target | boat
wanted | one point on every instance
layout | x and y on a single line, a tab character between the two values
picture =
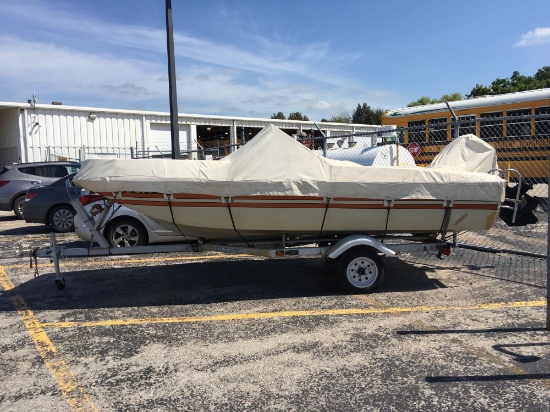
274	186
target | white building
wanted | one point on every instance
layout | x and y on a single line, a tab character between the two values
39	132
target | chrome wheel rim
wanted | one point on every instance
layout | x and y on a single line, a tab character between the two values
125	236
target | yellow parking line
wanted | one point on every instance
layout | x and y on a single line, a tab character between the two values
289	314
70	388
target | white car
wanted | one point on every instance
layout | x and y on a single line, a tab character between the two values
125	227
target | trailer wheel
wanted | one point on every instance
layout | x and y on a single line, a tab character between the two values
60	284
360	270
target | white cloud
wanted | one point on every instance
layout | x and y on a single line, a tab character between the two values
70	70
87	62
541	35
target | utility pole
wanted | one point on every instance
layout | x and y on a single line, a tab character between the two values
174	126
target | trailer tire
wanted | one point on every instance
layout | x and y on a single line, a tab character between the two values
60	284
360	270
329	267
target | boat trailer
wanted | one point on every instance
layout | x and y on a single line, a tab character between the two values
360	268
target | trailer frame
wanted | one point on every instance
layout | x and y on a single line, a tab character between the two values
360	267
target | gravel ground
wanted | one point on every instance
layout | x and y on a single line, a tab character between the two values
214	332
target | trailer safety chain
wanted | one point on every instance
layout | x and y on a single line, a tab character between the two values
31	257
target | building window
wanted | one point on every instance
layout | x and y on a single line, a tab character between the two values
542	126
437	130
417	131
491	125
518	123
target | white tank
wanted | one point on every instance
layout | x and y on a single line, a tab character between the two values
386	155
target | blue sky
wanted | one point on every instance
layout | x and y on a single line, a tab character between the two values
256	57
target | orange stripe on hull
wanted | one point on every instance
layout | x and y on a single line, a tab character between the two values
166	203
271	197
257	205
135	199
491	206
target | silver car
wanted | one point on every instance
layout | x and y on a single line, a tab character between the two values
126	227
16	179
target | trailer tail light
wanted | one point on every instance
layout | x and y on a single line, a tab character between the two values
4	182
29	196
443	250
87	199
446	250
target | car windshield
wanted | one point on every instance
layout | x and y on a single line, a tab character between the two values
73	169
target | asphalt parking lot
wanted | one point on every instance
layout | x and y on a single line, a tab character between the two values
221	332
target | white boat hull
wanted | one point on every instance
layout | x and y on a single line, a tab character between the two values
256	217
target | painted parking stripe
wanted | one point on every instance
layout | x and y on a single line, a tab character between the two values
289	314
68	384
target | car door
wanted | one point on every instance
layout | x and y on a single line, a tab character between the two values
27	178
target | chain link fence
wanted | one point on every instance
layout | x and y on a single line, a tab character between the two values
522	142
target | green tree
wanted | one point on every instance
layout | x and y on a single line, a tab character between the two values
453	97
361	114
445	98
278	115
364	114
543	76
297	116
420	102
480	90
377	116
516	83
343	117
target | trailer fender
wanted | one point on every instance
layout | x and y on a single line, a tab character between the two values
343	245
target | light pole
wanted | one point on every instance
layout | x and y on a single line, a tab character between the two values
174	126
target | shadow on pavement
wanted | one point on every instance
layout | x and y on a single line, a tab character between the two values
489	378
27	230
200	283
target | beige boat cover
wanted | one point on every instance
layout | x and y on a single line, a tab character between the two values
469	153
273	163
